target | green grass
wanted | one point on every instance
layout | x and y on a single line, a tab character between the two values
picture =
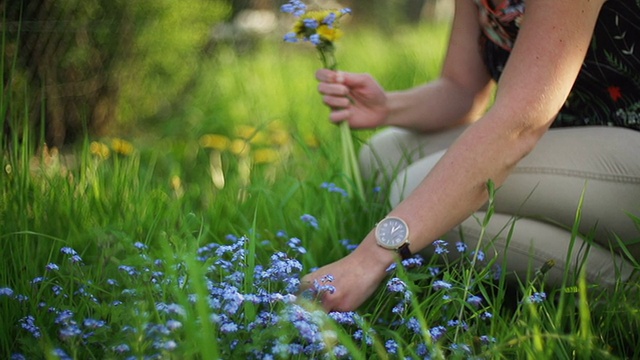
158	236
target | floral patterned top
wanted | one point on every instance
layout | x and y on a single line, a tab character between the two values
607	90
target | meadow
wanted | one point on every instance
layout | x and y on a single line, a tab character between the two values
186	237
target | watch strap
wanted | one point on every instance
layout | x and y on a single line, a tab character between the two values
404	251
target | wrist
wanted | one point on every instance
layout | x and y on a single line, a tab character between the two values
374	256
386	109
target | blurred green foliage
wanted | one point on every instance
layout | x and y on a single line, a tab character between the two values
82	65
72	67
276	80
169	41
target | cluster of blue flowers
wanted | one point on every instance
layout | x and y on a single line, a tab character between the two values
289	323
333	188
295	7
310	21
310	220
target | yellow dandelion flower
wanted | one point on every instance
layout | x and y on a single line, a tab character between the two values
239	147
311	141
275	125
245	131
265	156
121	146
176	182
259	138
251	134
323	23
280	137
214	141
329	34
99	149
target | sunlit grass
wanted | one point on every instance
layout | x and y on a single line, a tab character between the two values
190	236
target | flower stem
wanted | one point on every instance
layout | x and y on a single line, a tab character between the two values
351	166
350	160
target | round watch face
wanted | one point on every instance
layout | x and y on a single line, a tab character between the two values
391	232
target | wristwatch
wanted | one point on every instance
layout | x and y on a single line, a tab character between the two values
393	233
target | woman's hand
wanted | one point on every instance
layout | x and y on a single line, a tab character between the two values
355	277
356	98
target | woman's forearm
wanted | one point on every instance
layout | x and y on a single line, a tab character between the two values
456	187
435	106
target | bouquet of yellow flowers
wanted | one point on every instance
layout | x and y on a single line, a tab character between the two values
321	28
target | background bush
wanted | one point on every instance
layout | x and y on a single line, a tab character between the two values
81	65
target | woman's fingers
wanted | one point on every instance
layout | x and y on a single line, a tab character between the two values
329	76
333	89
340	115
336	102
335	96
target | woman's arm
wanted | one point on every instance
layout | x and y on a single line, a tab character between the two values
541	70
460	95
462	92
537	79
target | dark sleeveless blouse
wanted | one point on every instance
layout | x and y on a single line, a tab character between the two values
607	90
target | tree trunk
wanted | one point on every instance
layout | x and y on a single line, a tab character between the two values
64	58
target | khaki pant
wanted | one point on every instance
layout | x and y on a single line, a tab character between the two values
540	199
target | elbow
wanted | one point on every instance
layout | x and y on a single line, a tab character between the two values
519	131
527	117
528	140
472	102
527	133
478	103
526	122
